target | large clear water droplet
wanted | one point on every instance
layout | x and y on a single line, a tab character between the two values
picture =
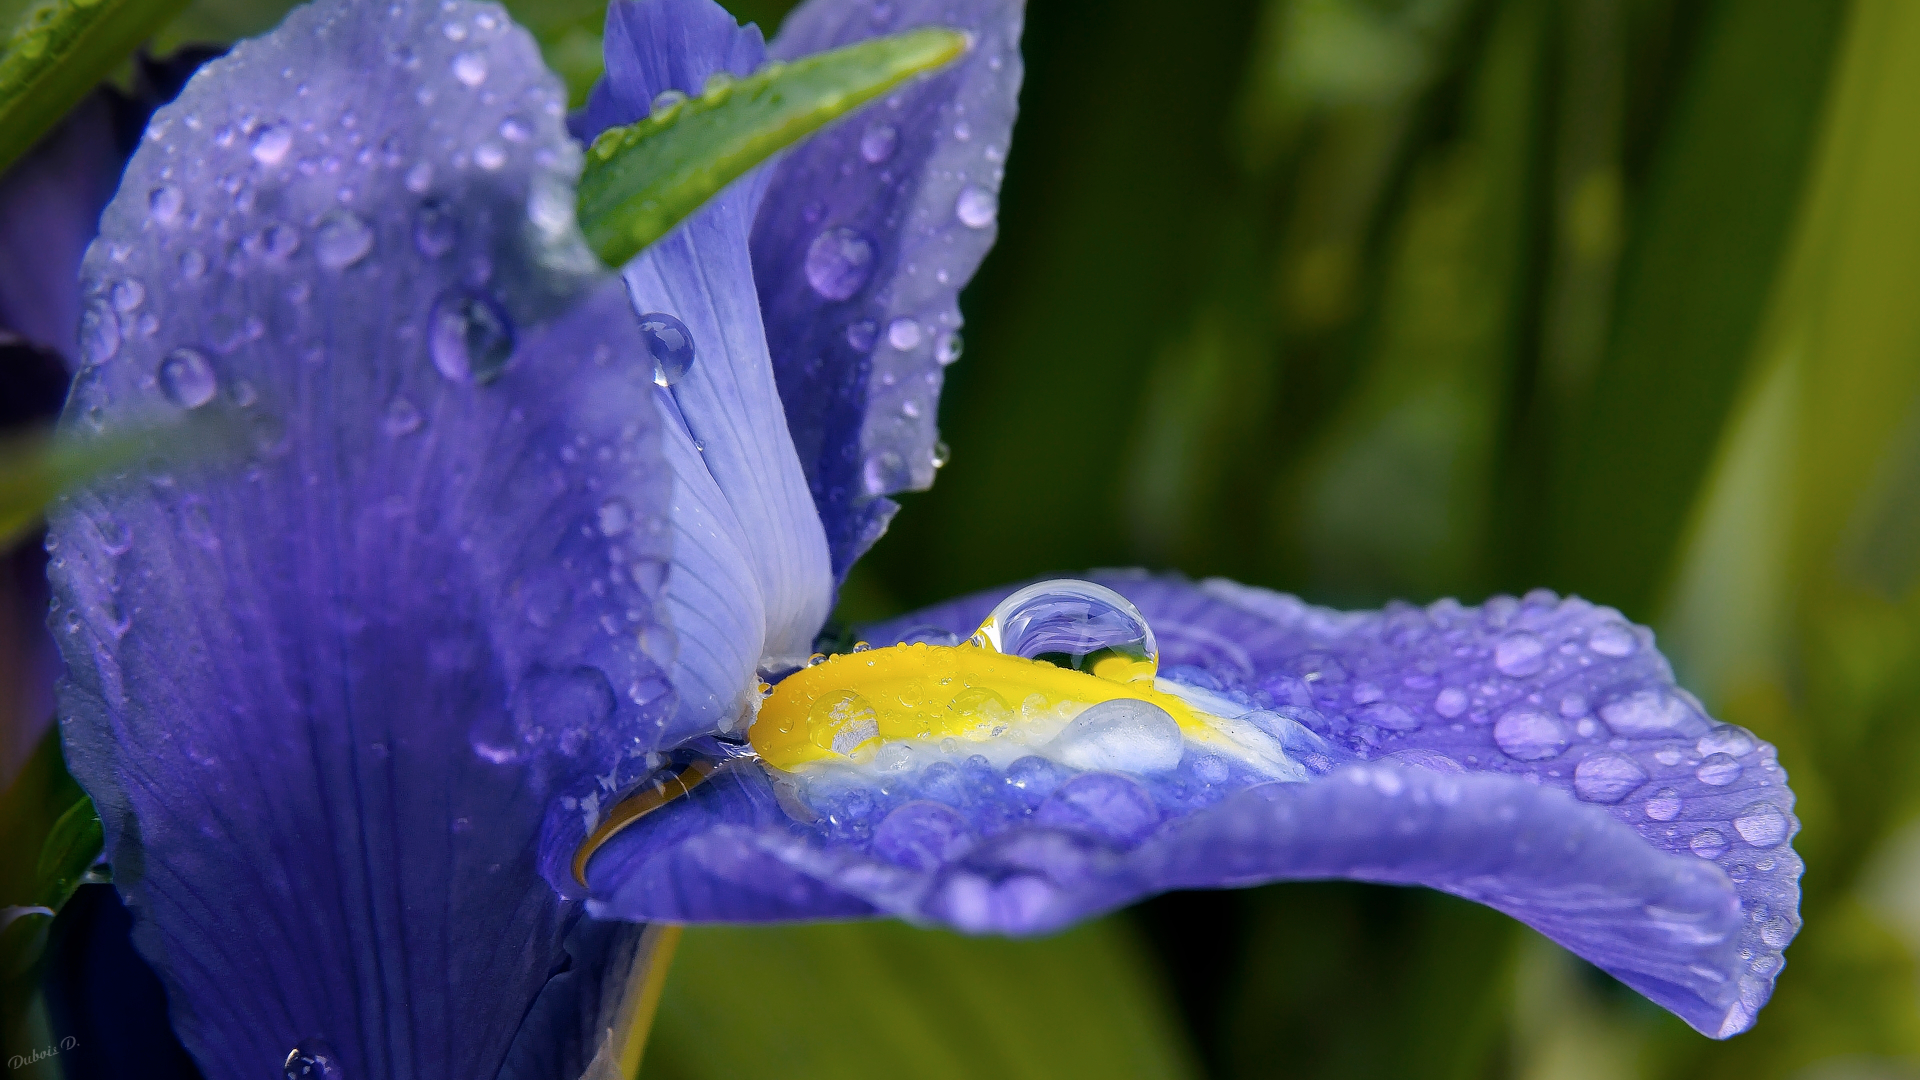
1529	736
436	228
342	239
271	143
976	207
99	333
1718	770
1123	735
1708	843
1074	624
670	345
313	1059
842	722
1762	825
1607	778
839	262
1613	639
469	336
186	378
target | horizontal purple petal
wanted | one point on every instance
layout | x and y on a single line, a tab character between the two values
327	689
866	235
1532	754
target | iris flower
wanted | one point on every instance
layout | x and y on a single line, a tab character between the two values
500	642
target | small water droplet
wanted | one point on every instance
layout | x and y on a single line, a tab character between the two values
1725	739
861	335
839	262
186	378
1664	805
1519	654
99	333
515	130
128	295
469	336
670	345
903	334
271	143
1718	770
342	239
1776	932
420	178
1613	639
976	207
1450	702
1708	843
885	472
947	349
1529	736
165	203
489	156
1607	778
192	264
436	228
665	103
941	455
1762	825
615	517
1074	624
470	68
878	143
402	418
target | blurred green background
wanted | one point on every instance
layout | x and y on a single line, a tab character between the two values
1363	299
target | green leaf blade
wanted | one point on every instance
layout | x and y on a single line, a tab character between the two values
643	179
57	52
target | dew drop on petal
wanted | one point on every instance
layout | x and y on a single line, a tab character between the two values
402	418
193	264
1519	655
842	722
885	472
1529	736
1708	843
669	345
976	207
489	156
436	228
420	178
271	143
861	335
1664	805
1725	739
947	348
1762	825
615	517
128	295
1776	932
942	454
1074	624
878	143
470	68
1123	735
99	333
342	239
903	334
165	203
1718	770
1613	639
1607	778
469	336
1450	702
186	378
839	262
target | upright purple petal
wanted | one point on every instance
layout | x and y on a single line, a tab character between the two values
867	234
1530	754
750	583
325	693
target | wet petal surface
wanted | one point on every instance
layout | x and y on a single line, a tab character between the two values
750	585
867	234
327	690
1532	754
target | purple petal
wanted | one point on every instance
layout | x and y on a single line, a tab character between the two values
750	585
867	234
324	696
1531	754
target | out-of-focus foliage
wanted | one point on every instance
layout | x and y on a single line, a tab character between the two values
1366	299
